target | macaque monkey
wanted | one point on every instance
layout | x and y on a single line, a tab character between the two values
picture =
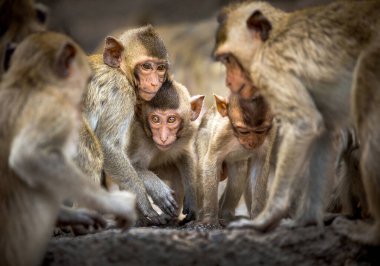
227	146
132	67
18	19
40	118
348	197
317	69
163	136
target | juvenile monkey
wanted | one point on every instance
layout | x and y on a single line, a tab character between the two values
132	66
226	145
40	119
317	69
18	19
164	134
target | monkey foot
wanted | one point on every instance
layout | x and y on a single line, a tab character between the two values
358	231
241	224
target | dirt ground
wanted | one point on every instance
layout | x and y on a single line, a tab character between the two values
88	22
200	246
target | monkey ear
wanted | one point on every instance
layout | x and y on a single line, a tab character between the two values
64	59
196	106
221	105
258	23
113	50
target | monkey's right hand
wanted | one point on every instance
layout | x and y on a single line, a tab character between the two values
164	199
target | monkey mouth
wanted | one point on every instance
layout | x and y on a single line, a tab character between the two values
163	147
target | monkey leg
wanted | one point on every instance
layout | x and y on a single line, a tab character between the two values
311	207
236	182
210	180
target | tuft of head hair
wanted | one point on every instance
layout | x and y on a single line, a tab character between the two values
166	98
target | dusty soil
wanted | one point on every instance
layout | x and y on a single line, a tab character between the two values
202	246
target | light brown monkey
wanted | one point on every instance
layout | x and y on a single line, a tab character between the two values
18	19
163	135
132	66
314	67
226	145
40	119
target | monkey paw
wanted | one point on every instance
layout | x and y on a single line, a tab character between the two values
164	199
358	231
80	221
241	224
122	205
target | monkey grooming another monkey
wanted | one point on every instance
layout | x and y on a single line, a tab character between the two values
317	69
226	144
132	66
40	119
163	137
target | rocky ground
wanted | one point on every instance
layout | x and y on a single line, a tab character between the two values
197	245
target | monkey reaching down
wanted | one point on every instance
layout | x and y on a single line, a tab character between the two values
227	145
318	70
132	66
163	137
40	120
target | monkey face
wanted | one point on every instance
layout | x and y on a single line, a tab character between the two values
150	75
164	125
237	79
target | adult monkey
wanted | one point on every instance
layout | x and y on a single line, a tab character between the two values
131	66
40	121
18	19
307	64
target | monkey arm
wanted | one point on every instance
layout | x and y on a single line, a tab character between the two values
161	194
112	129
45	161
186	167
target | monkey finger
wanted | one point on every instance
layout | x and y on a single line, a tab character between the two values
171	209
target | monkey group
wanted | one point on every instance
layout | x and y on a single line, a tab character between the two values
115	133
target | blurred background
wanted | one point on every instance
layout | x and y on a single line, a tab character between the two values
186	26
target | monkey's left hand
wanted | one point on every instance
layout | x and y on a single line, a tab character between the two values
189	209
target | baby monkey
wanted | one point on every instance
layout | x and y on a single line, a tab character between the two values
228	145
163	136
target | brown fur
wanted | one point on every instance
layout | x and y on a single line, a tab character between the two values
148	159
305	70
18	19
215	132
109	106
40	121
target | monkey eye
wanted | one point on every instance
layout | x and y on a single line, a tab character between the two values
172	119
146	66
155	119
161	67
243	132
224	59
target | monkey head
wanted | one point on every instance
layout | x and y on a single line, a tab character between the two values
251	130
53	60
166	117
243	29
141	55
19	18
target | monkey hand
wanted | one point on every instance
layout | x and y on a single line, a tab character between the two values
81	221
189	209
163	197
122	206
